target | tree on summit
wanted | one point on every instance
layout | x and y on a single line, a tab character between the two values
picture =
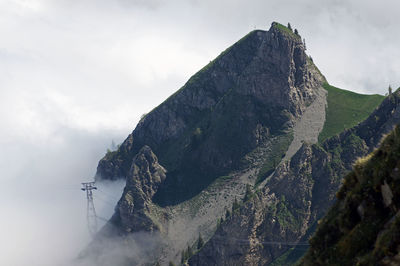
289	26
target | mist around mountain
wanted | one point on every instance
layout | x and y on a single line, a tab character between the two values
238	166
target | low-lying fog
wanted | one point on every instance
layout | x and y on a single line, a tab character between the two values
43	209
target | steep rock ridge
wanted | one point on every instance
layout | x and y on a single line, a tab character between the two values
256	89
134	208
363	226
295	197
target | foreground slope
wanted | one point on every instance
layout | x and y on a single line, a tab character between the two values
273	225
363	227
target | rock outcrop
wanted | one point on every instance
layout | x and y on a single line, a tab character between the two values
144	178
296	196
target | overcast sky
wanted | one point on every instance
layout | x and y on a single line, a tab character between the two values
77	74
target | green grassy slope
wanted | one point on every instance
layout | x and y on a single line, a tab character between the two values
346	109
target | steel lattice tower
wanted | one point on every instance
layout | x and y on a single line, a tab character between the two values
91	211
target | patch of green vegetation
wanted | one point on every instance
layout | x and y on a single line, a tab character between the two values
285	218
346	109
285	30
273	158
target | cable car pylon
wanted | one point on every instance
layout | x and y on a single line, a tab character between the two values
90	211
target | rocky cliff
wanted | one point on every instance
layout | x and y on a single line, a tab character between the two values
142	182
232	153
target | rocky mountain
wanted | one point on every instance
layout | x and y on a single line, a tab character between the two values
256	89
233	156
363	226
281	215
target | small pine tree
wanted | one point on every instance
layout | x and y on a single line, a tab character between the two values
304	42
390	90
200	242
296	32
289	26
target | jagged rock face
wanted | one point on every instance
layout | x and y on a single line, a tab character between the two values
251	92
146	173
145	177
274	219
267	224
296	196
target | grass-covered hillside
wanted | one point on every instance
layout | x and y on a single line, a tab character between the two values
346	109
363	227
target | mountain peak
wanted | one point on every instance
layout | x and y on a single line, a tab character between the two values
257	88
276	27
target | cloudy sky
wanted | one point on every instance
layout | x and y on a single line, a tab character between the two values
78	74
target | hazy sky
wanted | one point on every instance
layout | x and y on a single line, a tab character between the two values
77	74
